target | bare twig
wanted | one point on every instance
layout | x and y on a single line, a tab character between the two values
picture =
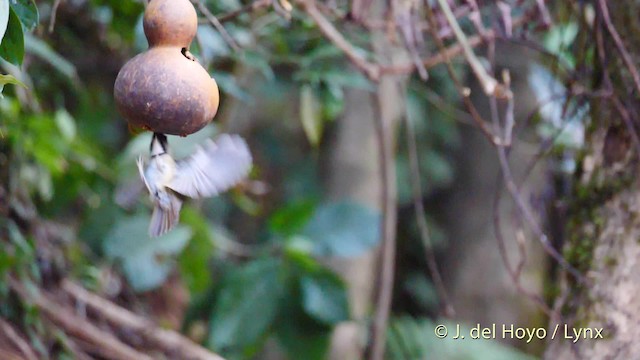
52	17
619	44
502	249
463	91
447	53
389	217
514	274
505	12
440	57
70	344
258	4
166	339
509	120
476	17
216	23
112	347
489	84
544	12
617	104
626	118
528	215
446	108
326	27
421	219
405	22
9	355
17	340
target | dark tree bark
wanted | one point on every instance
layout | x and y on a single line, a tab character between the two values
603	227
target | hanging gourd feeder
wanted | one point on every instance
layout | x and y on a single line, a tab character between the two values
164	89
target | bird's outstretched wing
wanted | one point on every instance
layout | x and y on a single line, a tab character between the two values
163	220
213	168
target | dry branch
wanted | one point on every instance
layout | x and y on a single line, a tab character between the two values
168	340
421	220
489	84
388	229
218	25
326	27
17	340
75	325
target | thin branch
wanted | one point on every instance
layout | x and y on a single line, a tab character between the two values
462	90
514	274
447	53
446	108
326	27
52	17
619	44
502	249
258	4
489	84
111	346
617	104
17	340
528	215
544	12
421	219
216	23
509	120
442	56
476	17
70	344
505	12
626	118
168	340
389	217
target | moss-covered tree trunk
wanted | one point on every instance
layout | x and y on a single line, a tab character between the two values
603	227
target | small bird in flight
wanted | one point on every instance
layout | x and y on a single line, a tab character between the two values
210	170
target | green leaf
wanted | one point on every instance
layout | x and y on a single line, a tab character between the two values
12	46
559	39
4	17
246	306
310	115
324	297
146	262
332	101
301	336
290	218
344	229
9	79
27	12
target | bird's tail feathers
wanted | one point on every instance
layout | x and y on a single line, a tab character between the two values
163	220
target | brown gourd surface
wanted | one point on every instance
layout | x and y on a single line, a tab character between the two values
164	89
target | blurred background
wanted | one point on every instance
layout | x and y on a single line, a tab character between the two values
303	259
